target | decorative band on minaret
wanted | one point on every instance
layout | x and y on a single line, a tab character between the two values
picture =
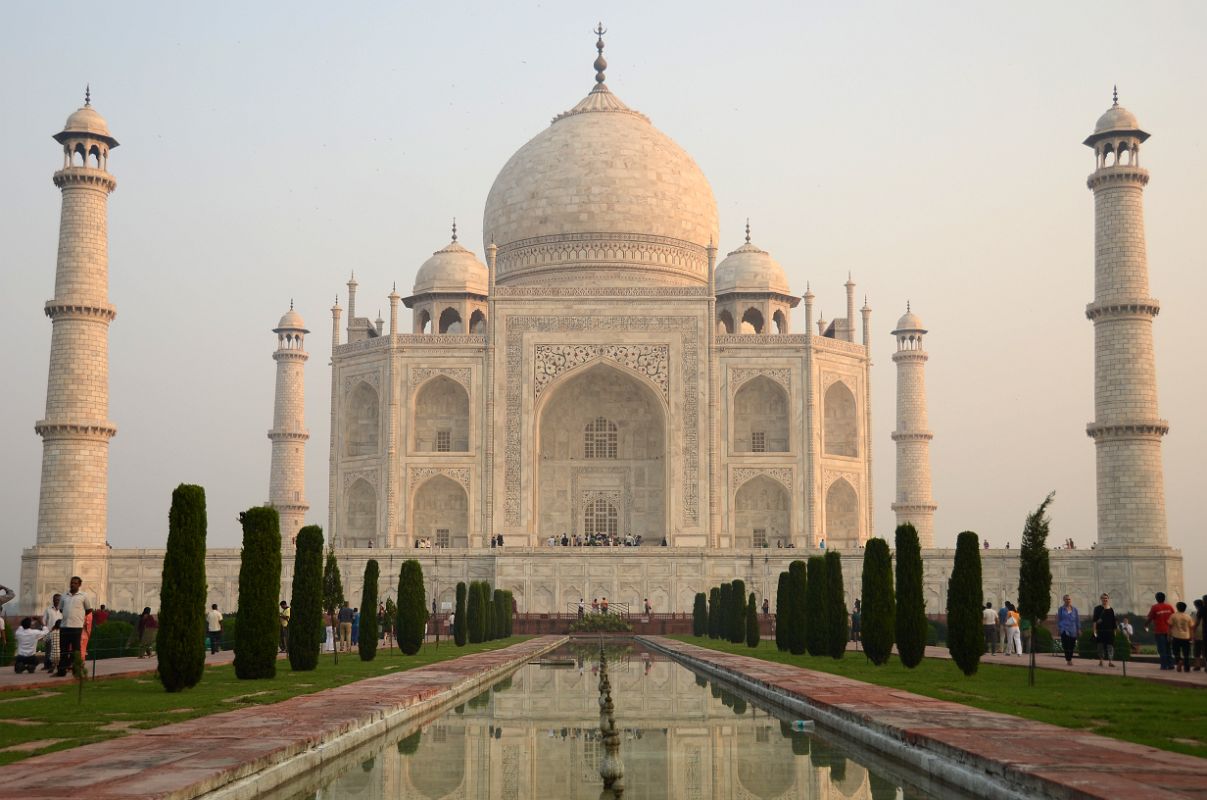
914	503
73	504
1127	428
287	478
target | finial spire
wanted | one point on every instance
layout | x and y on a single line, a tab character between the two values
600	63
87	94
454	229
1115	94
748	230
291	304
907	308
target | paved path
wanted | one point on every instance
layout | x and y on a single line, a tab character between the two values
186	759
1035	758
105	668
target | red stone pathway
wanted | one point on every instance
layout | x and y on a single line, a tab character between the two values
1080	764
186	759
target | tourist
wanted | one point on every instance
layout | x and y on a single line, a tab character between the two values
603	606
76	609
27	638
356	623
1202	637
648	607
500	538
1014	641
52	644
856	619
1104	625
283	616
1180	631
1197	635
1024	629
989	626
1125	627
1001	623
581	609
213	627
146	631
100	616
329	633
594	605
1068	624
1158	622
766	607
345	627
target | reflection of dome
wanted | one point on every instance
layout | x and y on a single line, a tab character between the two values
749	269
452	269
601	176
765	769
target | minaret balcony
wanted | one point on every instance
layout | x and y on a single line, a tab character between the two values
1140	308
912	436
1117	175
60	309
276	434
59	429
88	176
1138	429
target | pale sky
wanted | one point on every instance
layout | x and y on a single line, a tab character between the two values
933	150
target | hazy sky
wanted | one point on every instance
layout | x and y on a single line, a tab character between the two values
932	150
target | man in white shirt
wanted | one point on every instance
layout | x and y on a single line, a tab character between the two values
213	627
27	637
76	609
989	623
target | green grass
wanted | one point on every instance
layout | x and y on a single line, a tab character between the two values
113	708
1153	714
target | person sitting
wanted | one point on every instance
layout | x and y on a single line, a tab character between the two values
27	637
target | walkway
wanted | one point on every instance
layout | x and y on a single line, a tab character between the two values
274	743
983	749
105	668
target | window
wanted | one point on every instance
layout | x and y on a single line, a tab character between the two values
600	439
442	537
444	441
600	518
758	441
760	537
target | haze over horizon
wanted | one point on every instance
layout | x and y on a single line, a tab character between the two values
934	152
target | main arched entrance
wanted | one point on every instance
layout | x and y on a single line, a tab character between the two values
601	458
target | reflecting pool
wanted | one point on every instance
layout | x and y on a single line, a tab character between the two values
536	734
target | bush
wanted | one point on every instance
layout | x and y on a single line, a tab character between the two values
333	584
475	625
509	612
366	640
837	622
1087	647
230	628
782	613
1034	572
714	612
412	609
180	643
816	611
876	627
700	615
601	623
306	627
459	624
113	639
799	582
724	611
752	622
1043	641
737	612
259	581
965	604
911	605
500	614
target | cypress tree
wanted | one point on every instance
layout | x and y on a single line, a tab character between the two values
258	624
700	615
817	614
877	626
459	621
180	646
737	612
837	621
333	584
474	624
911	621
500	619
725	612
799	584
1035	573
714	612
306	601
412	608
366	642
965	604
752	622
508	612
782	613
488	612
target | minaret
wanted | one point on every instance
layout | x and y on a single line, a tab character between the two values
850	287
1127	429
73	504
287	476
914	503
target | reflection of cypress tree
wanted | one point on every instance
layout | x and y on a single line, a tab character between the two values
502	685
739	706
882	788
715	691
407	746
816	607
783	614
799	588
367	765
701	681
800	743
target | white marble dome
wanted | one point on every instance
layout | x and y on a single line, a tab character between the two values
452	269
291	321
1117	118
749	269
86	121
909	322
601	189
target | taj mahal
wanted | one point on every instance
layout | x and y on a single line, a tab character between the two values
603	401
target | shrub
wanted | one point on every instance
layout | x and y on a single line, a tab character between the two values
724	611
714	612
306	627
816	611
601	623
798	579
1034	572
259	581
488	613
230	629
876	627
752	622
782	614
508	612
911	605
1042	640
180	643
112	639
499	614
333	584
737	612
459	622
473	621
412	610
837	621
391	617
965	603
366	640
700	615
932	634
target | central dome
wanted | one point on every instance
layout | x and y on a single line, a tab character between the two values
603	194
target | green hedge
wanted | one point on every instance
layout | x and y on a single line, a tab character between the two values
112	639
600	623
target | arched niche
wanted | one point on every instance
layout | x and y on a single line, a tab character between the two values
842	516
841	429
362	421
360	515
760	417
423	321
477	322
762	512
441	512
441	416
752	321
781	321
450	321
725	322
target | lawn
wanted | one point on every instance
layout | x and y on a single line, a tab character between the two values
1166	717
44	720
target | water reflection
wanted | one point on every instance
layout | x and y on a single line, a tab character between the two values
536	735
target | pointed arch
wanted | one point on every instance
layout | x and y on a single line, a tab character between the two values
362	421
724	321
762	513
477	322
781	321
760	417
841	422
441	512
450	320
752	321
441	408
841	530
360	515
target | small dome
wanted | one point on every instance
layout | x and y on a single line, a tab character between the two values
291	321
909	322
452	269
749	269
86	122
1117	118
